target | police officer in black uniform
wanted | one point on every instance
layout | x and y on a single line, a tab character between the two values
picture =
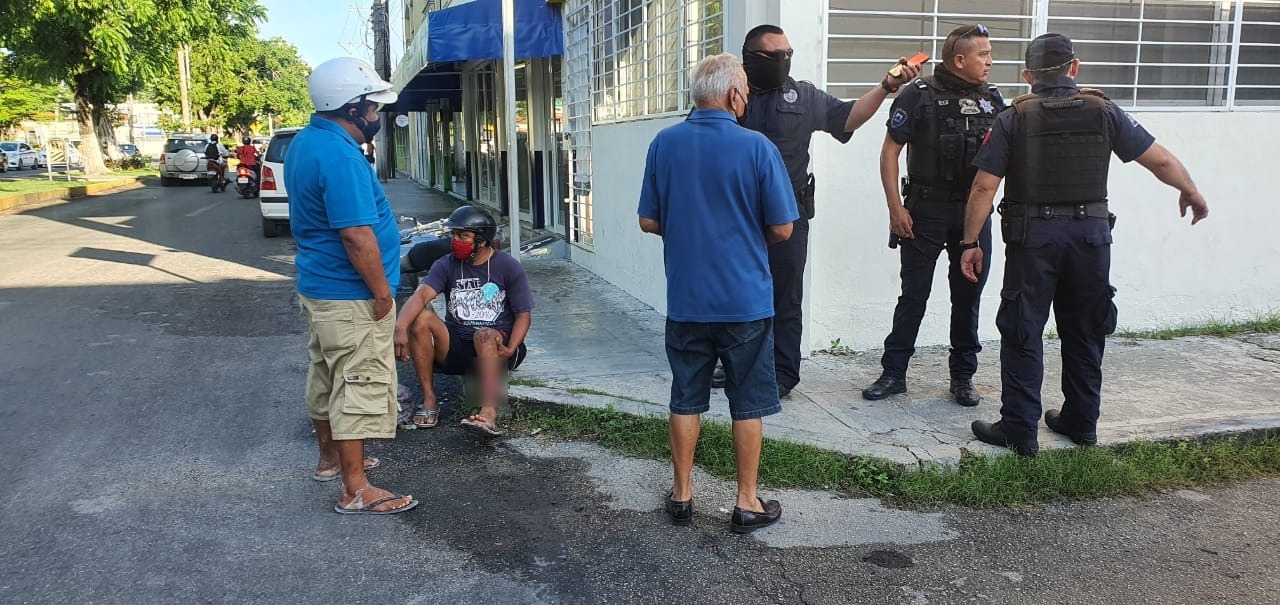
1054	148
788	113
941	120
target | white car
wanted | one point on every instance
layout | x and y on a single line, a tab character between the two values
273	200
19	156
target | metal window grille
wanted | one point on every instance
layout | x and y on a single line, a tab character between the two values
577	92
642	51
1153	54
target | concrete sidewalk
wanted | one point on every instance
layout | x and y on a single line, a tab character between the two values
589	337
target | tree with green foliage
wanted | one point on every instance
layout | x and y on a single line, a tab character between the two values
21	99
236	84
104	49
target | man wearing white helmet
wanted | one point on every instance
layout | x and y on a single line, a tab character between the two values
348	268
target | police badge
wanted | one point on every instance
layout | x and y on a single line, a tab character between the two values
790	96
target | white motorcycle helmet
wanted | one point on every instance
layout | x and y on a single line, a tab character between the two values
344	80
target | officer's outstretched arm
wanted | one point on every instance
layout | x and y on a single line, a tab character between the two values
1166	167
869	103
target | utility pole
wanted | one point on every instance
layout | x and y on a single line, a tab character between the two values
184	73
385	147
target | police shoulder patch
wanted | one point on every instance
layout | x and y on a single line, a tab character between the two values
898	118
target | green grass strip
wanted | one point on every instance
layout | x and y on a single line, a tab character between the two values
1264	322
978	480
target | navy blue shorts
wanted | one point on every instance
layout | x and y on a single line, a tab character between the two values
746	351
461	357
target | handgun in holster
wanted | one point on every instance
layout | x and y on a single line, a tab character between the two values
804	199
906	187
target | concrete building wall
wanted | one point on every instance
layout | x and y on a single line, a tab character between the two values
1166	272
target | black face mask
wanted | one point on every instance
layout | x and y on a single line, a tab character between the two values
367	128
766	72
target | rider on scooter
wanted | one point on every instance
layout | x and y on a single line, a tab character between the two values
248	156
216	153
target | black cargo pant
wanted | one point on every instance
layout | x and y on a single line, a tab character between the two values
786	263
936	225
1065	263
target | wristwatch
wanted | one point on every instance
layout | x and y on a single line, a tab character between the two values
885	85
968	246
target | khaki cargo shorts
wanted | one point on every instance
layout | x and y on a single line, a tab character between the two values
352	379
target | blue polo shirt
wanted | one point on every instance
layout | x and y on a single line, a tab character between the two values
715	187
331	187
1128	138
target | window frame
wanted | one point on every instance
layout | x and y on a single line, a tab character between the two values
1039	18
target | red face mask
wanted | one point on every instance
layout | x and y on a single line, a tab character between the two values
463	250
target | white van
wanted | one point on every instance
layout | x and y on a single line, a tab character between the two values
272	197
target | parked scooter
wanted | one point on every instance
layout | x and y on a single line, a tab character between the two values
246	181
422	245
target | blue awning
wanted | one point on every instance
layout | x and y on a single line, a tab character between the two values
473	31
435	83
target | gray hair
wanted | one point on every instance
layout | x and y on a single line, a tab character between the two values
714	77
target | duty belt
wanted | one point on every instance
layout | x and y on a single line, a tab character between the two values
1089	209
926	193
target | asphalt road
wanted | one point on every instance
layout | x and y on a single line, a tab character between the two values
157	450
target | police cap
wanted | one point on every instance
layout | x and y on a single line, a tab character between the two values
1048	51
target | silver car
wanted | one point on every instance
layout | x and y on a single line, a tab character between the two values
183	158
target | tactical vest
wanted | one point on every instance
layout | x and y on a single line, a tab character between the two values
1064	152
948	134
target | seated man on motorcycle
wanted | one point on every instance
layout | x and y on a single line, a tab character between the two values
216	153
248	156
489	308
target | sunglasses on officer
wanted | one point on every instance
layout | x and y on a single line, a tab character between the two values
948	48
979	29
777	55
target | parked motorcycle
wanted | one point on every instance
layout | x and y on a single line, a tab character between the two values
422	245
213	172
246	182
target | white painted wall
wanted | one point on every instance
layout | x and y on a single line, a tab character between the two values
623	254
1166	272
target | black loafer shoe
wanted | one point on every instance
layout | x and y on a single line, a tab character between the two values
1053	419
746	521
783	392
993	433
680	511
964	392
717	378
884	387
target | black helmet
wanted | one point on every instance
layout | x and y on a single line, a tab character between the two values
245	140
475	220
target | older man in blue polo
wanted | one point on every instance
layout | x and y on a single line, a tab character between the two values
718	195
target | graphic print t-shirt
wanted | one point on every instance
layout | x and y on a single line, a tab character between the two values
481	296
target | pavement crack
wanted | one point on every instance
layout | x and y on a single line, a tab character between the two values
833	415
799	586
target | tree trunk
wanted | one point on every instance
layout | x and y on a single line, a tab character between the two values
90	151
106	132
